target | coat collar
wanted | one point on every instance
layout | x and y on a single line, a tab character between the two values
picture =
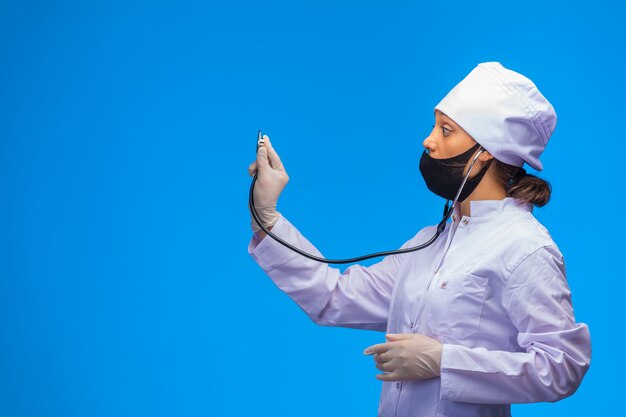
486	209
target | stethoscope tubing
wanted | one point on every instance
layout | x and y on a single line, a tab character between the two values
440	227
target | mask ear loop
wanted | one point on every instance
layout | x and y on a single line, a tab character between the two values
448	211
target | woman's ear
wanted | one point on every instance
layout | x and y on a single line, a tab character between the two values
485	155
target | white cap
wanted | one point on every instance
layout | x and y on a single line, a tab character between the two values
504	112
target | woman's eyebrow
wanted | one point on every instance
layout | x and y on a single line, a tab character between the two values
447	119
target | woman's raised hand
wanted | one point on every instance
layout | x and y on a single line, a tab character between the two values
271	180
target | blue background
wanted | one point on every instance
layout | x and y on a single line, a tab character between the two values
126	131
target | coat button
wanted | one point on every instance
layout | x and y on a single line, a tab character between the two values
398	385
444	284
411	325
465	221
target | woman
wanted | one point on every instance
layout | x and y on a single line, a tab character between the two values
483	317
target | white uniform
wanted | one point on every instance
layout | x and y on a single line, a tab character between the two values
492	288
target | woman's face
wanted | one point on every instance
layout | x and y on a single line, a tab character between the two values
447	139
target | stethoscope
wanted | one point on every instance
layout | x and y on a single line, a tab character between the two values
447	212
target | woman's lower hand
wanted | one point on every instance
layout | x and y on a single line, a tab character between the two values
407	356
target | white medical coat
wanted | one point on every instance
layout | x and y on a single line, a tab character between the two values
492	288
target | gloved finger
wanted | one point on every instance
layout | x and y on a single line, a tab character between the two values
252	169
398	336
379	348
261	159
392	376
383	357
274	158
385	367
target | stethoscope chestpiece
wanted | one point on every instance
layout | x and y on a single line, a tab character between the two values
260	141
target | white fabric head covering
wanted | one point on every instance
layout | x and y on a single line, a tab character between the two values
504	112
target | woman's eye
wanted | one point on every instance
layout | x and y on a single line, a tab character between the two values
444	130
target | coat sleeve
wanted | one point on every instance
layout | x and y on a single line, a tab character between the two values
357	298
555	351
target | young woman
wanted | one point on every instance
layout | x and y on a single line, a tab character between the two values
481	318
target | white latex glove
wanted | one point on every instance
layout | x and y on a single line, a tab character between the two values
407	356
269	184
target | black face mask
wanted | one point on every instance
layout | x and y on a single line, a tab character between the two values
444	178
